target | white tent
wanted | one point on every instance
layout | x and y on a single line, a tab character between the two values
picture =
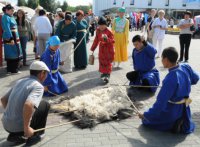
28	10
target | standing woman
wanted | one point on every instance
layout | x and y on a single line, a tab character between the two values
24	29
120	29
185	35
160	26
12	47
80	54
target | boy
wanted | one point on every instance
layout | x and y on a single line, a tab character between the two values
171	111
54	83
105	39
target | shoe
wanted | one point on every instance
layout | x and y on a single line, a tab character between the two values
16	139
15	73
186	61
35	139
179	61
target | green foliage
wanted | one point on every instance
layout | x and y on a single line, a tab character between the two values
64	6
32	4
21	3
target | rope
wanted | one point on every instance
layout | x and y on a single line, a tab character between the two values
77	45
63	112
136	86
54	126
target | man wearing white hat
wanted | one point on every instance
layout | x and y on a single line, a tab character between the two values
25	111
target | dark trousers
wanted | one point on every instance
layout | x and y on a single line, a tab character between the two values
23	41
185	40
133	76
12	65
39	118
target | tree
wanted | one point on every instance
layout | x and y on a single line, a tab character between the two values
64	6
49	5
83	8
21	3
32	4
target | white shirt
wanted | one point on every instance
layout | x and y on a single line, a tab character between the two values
158	33
42	25
186	30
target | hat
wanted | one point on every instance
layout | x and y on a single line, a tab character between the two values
54	41
39	65
102	21
58	10
122	10
68	17
188	13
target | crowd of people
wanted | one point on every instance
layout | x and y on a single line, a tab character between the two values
25	111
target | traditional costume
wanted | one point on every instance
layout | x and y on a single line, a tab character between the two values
106	49
144	65
120	29
171	110
54	81
12	53
80	54
67	35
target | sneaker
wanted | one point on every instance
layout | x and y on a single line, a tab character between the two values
186	61
15	73
106	80
179	61
16	139
35	139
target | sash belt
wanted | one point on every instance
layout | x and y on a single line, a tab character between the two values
185	101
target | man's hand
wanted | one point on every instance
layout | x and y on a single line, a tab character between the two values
141	116
62	63
46	88
28	132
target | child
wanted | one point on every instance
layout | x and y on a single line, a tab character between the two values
171	111
54	83
144	73
105	39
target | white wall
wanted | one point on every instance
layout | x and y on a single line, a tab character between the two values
99	5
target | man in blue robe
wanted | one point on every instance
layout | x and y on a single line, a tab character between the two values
54	83
171	111
145	73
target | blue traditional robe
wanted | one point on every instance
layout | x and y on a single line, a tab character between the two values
10	32
80	55
144	64
176	86
55	82
66	32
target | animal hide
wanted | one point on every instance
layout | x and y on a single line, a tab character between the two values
96	107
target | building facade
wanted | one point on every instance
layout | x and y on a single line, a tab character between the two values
101	6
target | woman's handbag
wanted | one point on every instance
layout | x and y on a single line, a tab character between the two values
192	28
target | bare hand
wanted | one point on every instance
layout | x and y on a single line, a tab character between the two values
141	116
46	88
62	63
12	42
28	132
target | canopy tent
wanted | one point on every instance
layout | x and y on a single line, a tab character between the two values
28	10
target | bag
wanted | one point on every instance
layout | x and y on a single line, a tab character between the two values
91	59
192	28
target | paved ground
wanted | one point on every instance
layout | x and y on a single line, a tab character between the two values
127	133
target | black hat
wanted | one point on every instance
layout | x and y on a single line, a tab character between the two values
102	21
7	7
188	13
68	17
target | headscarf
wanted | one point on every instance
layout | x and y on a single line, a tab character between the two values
53	41
122	10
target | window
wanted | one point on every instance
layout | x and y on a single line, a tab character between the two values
184	3
166	2
114	2
132	2
149	2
